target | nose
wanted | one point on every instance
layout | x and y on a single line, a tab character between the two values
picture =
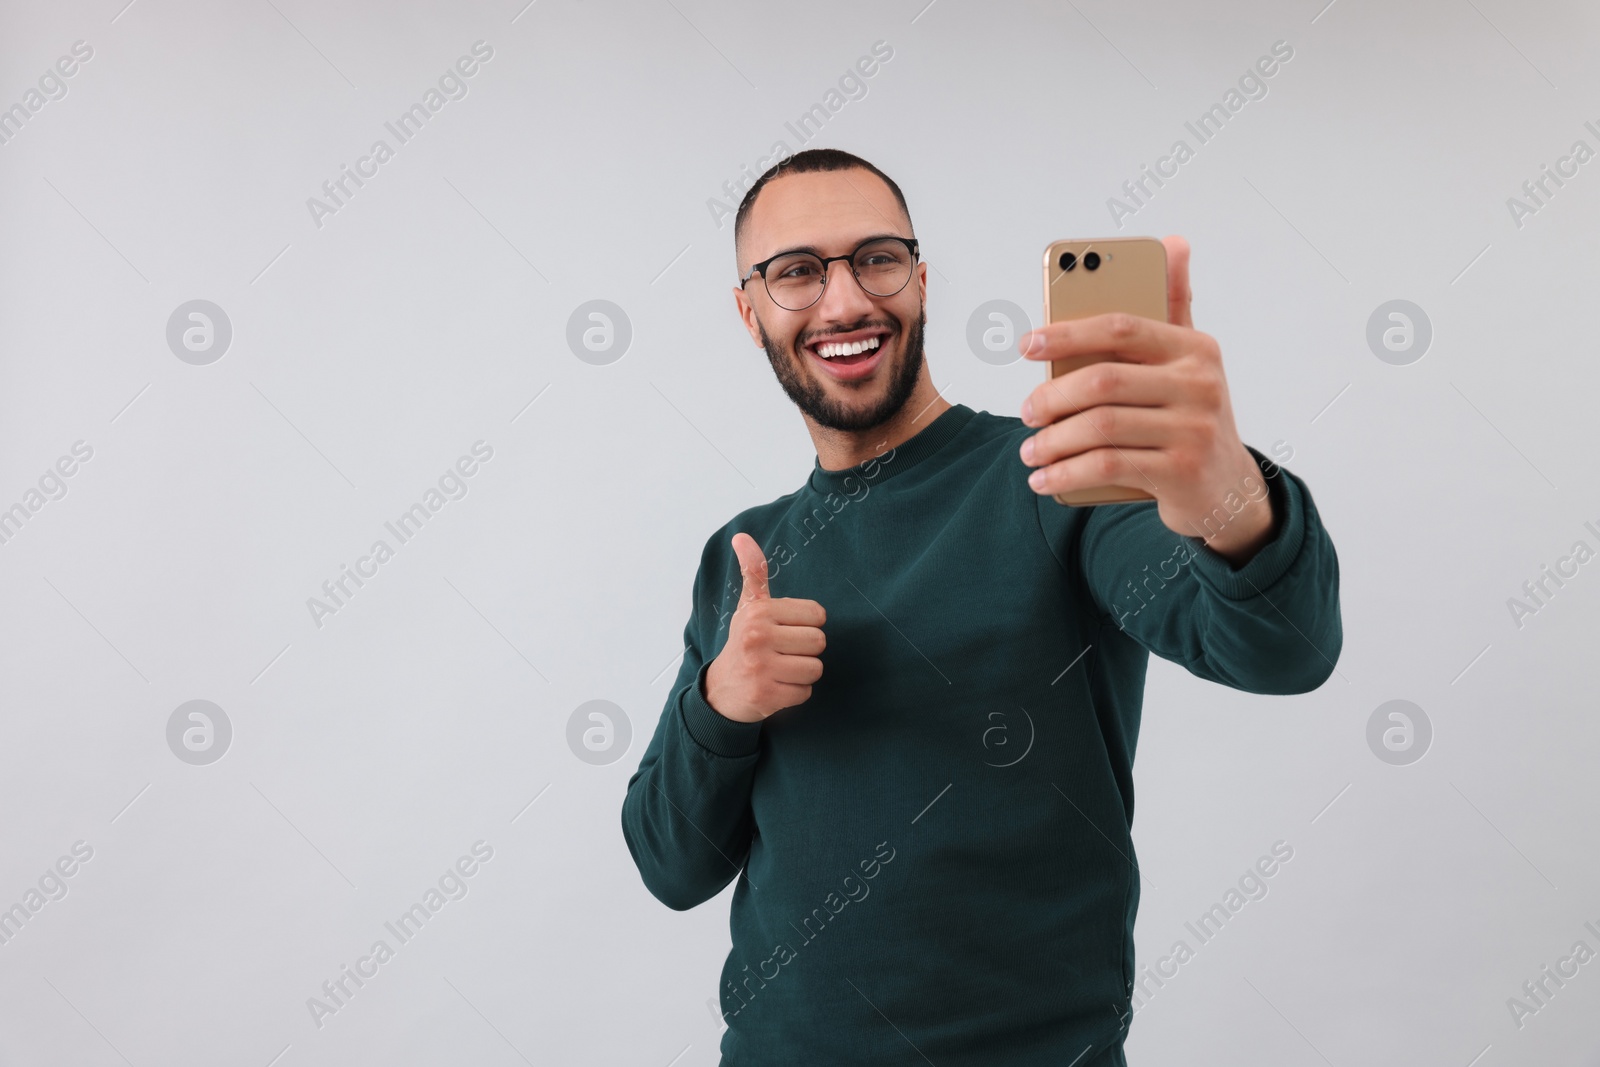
843	299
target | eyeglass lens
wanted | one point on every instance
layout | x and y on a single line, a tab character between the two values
795	281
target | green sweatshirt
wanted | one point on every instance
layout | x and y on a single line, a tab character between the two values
933	853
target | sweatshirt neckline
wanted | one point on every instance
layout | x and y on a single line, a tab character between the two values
902	457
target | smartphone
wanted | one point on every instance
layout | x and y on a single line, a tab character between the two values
1092	277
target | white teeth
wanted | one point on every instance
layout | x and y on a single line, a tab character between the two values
829	351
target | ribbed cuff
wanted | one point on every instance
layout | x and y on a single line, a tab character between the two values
1275	557
712	731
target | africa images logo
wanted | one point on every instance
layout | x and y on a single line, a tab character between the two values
855	889
453	884
452	86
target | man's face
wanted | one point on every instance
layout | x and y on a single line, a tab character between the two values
830	213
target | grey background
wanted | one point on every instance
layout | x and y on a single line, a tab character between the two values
432	711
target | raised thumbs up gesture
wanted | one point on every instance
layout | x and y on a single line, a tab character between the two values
771	658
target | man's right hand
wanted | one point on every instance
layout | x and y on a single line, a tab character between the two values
771	659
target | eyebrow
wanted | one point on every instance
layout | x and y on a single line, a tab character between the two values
818	252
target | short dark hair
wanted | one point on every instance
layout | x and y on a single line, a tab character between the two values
811	161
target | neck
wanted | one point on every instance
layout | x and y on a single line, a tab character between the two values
839	450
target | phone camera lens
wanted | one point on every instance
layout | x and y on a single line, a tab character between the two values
1091	260
1068	261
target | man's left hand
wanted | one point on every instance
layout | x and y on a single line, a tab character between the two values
1157	417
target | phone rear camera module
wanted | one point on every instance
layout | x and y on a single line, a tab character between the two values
1091	260
1068	261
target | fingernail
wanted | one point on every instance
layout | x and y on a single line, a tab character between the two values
1036	479
1027	411
1027	451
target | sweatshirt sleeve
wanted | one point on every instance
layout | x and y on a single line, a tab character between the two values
1271	626
686	817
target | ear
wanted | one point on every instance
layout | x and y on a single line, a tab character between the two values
747	314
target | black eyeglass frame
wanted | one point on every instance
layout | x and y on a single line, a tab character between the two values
761	268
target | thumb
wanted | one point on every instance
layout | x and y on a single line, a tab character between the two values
1179	295
753	565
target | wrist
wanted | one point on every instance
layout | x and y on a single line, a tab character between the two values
1252	530
1249	529
710	729
709	689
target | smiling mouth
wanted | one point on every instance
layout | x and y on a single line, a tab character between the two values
859	347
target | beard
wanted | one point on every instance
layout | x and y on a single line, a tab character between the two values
806	389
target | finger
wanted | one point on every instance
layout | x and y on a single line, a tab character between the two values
1108	382
753	565
1179	295
798	640
1102	426
1135	468
793	695
793	611
796	670
1127	336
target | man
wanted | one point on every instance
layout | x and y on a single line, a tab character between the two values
907	711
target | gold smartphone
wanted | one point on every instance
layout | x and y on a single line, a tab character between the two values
1092	277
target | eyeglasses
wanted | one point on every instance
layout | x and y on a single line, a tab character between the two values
795	280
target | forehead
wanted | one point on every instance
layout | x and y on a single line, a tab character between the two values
827	210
